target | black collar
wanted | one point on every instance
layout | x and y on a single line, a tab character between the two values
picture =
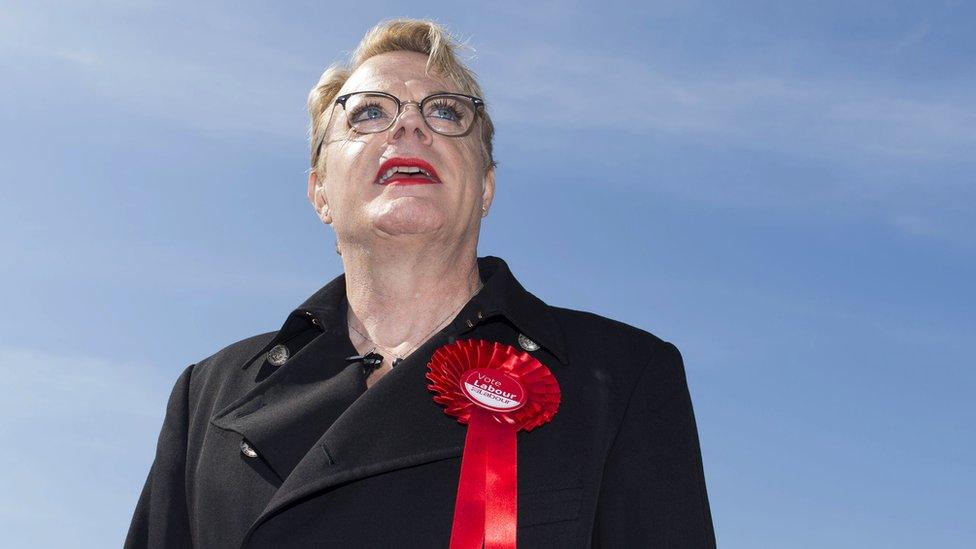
501	295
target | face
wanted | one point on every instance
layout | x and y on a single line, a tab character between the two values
361	208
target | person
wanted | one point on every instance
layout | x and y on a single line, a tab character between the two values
324	432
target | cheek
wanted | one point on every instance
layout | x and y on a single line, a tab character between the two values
350	150
467	162
343	165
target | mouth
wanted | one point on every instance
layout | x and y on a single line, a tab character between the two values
406	171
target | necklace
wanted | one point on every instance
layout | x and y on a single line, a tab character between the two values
399	358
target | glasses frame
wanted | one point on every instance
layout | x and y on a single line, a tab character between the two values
477	102
479	105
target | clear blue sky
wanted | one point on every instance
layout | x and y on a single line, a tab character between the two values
784	190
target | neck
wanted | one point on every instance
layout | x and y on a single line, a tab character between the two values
400	298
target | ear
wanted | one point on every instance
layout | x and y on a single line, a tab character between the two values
316	196
488	190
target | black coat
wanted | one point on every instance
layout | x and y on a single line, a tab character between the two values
303	455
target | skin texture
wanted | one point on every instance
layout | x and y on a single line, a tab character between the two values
409	251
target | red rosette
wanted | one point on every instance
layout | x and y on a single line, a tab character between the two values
497	391
450	362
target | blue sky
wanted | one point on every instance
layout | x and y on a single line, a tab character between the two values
784	190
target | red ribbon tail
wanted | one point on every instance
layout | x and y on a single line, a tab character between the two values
486	509
468	530
502	485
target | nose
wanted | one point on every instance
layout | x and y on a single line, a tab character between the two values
410	122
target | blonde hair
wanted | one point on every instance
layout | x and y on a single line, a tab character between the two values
419	35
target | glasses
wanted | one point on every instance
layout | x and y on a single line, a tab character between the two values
450	114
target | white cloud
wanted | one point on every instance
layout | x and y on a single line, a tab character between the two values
855	146
818	117
63	385
216	81
914	36
171	266
79	436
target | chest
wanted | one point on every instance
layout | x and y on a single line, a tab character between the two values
380	466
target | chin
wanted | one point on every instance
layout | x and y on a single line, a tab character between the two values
408	217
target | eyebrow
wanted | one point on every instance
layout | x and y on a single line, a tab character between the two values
435	92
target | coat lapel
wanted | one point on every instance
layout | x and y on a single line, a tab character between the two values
395	424
285	414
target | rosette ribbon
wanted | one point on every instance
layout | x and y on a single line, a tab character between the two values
497	391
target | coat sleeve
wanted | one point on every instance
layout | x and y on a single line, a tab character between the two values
653	490
161	518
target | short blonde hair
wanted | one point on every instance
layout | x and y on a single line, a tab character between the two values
419	35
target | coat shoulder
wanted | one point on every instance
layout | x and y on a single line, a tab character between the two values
224	368
597	331
614	349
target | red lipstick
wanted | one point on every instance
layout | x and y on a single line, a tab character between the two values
406	171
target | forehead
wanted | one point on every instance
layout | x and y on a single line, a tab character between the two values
398	72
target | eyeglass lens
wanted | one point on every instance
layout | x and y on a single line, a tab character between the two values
445	114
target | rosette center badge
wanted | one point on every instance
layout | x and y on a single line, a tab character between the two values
493	390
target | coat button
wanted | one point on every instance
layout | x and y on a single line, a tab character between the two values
527	343
247	450
278	355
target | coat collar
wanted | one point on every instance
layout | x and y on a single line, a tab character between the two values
502	295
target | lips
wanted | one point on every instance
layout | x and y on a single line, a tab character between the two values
406	171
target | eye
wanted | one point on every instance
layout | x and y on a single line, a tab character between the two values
366	112
446	110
